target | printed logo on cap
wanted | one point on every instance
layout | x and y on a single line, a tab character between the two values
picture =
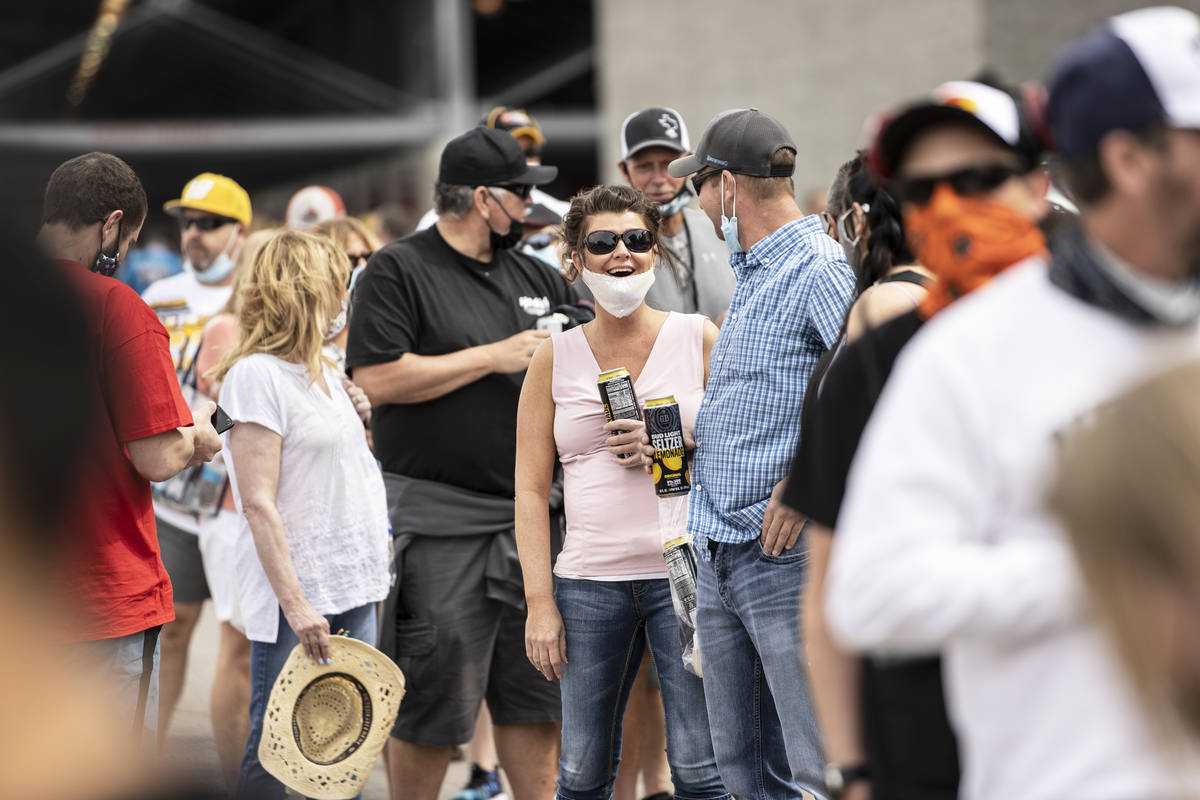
198	189
670	125
991	106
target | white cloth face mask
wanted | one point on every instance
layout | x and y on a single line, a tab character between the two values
618	296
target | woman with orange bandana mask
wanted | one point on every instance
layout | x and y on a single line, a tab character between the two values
964	168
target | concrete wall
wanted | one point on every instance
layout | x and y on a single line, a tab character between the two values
820	66
1020	37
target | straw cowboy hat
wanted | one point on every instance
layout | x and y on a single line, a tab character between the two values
326	723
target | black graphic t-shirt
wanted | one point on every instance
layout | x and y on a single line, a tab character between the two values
419	295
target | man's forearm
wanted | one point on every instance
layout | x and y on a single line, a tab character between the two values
417	379
163	456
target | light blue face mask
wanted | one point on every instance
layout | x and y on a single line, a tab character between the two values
676	204
220	267
729	225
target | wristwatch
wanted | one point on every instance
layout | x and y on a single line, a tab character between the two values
837	777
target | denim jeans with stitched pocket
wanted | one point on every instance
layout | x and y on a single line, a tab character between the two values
607	626
266	662
748	620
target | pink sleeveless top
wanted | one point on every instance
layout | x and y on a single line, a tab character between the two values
612	511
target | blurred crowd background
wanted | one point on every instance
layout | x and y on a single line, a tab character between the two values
361	95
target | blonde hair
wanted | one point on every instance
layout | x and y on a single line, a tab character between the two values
294	286
340	229
1128	492
250	246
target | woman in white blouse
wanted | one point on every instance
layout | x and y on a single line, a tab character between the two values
314	546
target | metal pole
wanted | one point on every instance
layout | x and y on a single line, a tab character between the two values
455	47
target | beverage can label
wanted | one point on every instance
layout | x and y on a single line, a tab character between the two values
665	429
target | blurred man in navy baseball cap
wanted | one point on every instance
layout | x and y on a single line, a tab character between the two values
1124	110
948	487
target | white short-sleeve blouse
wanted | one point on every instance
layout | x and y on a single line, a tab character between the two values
330	492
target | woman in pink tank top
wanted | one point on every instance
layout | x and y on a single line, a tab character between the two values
608	596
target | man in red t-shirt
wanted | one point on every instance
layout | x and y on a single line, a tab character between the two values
93	210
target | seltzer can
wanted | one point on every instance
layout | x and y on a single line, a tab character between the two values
670	466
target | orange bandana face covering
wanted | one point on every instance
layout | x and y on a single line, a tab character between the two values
965	241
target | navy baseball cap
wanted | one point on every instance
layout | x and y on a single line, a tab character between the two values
486	157
1131	72
741	140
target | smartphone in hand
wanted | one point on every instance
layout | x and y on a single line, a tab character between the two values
221	421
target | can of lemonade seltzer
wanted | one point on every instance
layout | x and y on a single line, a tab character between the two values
665	428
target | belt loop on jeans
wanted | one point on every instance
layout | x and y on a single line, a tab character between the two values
149	642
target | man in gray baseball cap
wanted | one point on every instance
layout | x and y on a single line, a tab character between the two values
793	288
693	274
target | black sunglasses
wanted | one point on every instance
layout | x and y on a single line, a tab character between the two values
700	177
966	182
203	223
359	259
521	190
601	243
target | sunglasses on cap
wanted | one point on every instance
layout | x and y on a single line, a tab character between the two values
966	182
601	243
521	190
203	223
700	177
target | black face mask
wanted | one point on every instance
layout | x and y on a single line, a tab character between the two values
105	264
505	241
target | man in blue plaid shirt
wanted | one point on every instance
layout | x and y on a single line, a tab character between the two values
793	288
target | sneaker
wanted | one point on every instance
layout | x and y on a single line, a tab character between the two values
483	785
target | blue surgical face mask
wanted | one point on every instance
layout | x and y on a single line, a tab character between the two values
675	204
220	267
729	225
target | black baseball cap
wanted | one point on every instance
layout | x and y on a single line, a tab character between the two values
654	127
487	157
741	140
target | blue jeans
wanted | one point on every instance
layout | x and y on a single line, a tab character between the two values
607	624
266	662
748	622
132	677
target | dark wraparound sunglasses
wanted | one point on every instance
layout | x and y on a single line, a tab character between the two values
203	223
637	240
965	182
700	177
521	190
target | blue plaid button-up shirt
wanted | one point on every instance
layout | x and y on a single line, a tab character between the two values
793	289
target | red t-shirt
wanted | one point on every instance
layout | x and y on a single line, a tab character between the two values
118	575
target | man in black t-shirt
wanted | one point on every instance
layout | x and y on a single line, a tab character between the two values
443	327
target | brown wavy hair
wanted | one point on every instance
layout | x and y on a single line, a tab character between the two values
293	287
603	199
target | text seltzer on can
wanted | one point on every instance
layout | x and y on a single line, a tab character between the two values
665	428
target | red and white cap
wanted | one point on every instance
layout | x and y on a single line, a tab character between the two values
311	205
993	111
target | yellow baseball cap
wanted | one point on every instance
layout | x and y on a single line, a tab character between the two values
215	194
